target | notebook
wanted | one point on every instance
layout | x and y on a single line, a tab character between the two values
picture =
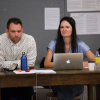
68	61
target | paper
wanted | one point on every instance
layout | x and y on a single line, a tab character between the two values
83	5
87	23
36	71
74	5
52	17
23	72
85	67
45	72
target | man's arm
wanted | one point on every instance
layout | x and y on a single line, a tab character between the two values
4	63
9	64
31	54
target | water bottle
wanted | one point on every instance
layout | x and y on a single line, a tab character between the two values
97	61
23	62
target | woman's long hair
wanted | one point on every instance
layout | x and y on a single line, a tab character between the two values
60	46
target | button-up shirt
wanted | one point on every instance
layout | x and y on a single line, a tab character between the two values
11	53
82	47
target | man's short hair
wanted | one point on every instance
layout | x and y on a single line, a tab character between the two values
13	20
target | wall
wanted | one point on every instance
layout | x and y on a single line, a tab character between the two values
31	13
92	40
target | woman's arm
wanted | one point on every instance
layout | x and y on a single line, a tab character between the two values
90	56
47	62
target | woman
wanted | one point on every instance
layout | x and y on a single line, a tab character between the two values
67	42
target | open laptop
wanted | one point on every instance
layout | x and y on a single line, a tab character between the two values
68	61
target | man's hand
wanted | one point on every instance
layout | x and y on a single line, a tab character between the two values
14	65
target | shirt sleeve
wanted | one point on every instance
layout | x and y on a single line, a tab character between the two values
52	45
3	63
32	53
83	48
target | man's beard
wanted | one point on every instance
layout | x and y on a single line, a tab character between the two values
14	40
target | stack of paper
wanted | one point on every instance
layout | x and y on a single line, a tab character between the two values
36	71
45	72
23	72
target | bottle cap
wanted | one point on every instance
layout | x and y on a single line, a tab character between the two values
23	53
97	51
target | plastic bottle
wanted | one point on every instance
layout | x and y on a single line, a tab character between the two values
97	61
23	62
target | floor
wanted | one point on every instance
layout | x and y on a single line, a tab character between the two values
41	93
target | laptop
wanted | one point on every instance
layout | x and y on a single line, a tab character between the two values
68	61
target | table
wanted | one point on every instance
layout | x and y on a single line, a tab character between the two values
69	77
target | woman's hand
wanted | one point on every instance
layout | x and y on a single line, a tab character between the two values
85	64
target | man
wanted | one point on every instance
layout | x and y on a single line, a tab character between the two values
12	44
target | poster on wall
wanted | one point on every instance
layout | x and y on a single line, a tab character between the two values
52	17
87	23
83	5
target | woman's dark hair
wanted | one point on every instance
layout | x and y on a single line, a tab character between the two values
60	46
13	20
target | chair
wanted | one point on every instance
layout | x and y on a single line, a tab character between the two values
34	96
53	95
